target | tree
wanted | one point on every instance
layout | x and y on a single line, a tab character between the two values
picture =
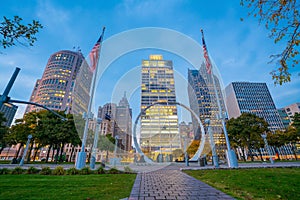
277	139
281	17
13	30
245	132
3	132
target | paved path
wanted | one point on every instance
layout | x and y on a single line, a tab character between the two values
171	183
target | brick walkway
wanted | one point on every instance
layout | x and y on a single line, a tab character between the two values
171	183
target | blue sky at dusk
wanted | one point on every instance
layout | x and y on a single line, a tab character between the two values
240	49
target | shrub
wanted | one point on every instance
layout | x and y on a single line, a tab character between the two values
100	170
85	170
4	171
32	170
113	171
59	171
45	171
72	171
17	170
128	170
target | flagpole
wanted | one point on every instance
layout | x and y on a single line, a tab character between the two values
81	156
230	157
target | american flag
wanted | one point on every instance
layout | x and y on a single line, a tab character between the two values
94	54
205	53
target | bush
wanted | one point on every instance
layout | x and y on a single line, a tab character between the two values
4	171
128	170
32	170
45	171
17	170
72	171
100	170
85	171
113	171
59	171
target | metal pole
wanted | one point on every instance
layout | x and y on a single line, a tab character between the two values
25	151
115	151
186	156
81	158
95	145
264	136
4	97
232	162
212	144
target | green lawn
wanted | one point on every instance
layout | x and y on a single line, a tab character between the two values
264	183
102	186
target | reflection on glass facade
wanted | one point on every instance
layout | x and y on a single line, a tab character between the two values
203	101
159	124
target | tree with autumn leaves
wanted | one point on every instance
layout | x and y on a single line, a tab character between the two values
282	19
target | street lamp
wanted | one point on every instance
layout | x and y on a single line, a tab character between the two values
26	149
212	144
95	145
264	136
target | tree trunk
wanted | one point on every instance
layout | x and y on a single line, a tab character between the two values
294	151
61	152
48	152
72	151
106	158
35	152
277	153
1	149
57	153
243	153
29	153
260	155
250	153
19	149
53	149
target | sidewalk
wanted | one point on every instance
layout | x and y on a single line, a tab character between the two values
171	183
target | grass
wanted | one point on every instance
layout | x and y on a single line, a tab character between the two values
103	186
264	183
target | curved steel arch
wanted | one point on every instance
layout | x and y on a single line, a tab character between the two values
137	146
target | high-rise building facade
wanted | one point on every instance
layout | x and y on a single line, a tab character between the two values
159	134
284	117
203	102
124	122
252	98
292	109
119	123
57	85
9	111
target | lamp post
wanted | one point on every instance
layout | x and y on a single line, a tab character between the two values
26	149
115	150
186	156
95	145
264	136
212	144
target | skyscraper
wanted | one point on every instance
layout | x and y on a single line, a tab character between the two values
57	85
203	102
159	134
9	111
124	122
252	98
120	122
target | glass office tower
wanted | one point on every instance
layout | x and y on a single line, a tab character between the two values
159	135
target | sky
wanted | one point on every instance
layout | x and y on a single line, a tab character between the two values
239	49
